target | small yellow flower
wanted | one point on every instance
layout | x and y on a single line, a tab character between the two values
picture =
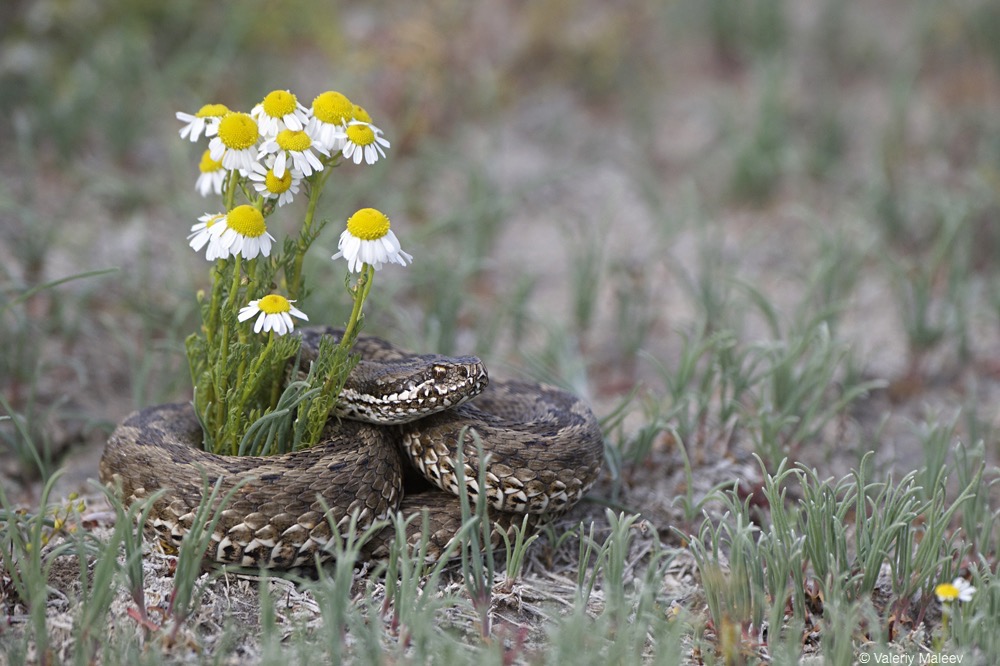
279	110
271	186
212	177
275	314
201	234
369	240
359	113
235	144
205	120
331	111
364	140
957	589
297	146
242	231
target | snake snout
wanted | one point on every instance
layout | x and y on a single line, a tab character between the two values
408	390
460	379
469	371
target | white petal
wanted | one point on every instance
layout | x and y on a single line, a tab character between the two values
216	149
390	242
248	311
279	164
227	237
352	247
198	240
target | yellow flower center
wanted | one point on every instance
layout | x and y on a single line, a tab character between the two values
332	107
207	164
246	221
361	135
278	185
359	113
212	111
291	140
238	131
368	224
946	592
279	103
274	304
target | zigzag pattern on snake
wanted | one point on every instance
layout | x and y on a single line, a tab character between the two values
543	449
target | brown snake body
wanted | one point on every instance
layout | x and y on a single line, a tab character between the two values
543	449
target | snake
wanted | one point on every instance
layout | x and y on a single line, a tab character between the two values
407	429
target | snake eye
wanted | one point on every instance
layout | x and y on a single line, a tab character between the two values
440	372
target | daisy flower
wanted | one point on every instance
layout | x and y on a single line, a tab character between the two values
206	120
242	232
271	187
369	240
279	110
364	139
358	113
957	589
235	144
274	314
331	111
201	234
213	175
298	146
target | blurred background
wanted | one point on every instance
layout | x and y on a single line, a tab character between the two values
585	186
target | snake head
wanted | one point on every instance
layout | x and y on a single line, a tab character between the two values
405	390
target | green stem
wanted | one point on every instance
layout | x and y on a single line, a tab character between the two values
943	636
221	367
212	324
361	289
229	198
276	387
255	371
295	283
241	331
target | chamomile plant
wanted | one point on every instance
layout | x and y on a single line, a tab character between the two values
257	163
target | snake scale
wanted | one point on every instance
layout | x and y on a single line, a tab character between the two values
393	447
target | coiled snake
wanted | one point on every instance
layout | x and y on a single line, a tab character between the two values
542	447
